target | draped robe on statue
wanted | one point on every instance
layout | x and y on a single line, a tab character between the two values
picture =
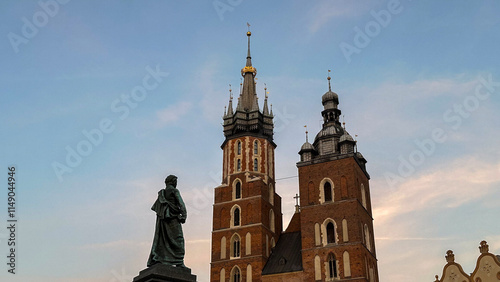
168	242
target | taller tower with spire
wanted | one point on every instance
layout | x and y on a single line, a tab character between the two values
247	218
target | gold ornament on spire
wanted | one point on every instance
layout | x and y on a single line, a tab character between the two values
248	67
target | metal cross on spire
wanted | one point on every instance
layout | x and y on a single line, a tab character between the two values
329	86
297	209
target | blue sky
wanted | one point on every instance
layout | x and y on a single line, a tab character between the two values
421	91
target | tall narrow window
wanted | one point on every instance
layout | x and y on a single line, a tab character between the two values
328	191
236	217
271	220
248	244
255	165
237	190
223	248
347	264
222	275
271	194
249	273
236	277
363	196
235	246
317	235
330	233
255	147
367	238
238	167
332	266
317	268
239	148
345	232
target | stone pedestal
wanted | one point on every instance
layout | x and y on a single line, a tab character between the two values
165	273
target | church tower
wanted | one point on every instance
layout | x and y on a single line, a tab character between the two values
247	218
335	210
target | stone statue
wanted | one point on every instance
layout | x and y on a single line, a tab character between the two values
168	242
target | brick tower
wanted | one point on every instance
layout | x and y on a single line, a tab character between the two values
247	218
335	210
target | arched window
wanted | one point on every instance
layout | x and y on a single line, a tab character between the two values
237	190
317	235
235	274
271	194
271	220
235	214
223	248
235	246
267	245
249	273
367	238
239	148
255	165
347	264
236	217
328	191
332	266
256	147
345	232
317	268
248	244
223	275
238	166
363	196
330	233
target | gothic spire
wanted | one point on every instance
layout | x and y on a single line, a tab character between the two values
230	106
248	96
265	110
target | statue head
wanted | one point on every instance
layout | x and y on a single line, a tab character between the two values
171	180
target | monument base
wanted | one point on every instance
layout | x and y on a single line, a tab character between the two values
165	273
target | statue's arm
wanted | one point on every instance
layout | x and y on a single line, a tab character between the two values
182	206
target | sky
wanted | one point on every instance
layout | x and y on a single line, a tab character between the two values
101	100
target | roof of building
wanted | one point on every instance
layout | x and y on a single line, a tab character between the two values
286	256
307	147
346	137
294	225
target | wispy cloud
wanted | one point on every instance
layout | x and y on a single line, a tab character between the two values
324	11
173	113
401	101
446	185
